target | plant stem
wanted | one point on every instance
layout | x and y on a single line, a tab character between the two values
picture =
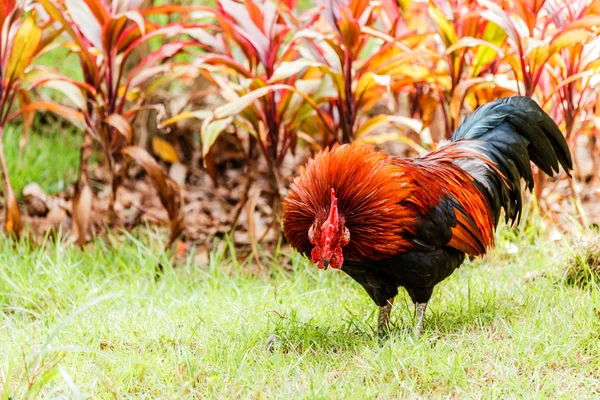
4	170
11	208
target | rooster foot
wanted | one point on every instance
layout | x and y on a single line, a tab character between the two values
421	308
383	324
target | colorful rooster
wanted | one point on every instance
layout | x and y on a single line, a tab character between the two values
390	222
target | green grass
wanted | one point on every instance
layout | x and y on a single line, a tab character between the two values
50	158
97	322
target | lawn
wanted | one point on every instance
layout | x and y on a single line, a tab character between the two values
100	323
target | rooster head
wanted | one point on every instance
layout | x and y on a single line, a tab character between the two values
328	237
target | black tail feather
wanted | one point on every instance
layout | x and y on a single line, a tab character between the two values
511	132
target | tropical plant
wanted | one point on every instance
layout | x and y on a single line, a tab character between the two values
107	102
551	48
22	39
265	119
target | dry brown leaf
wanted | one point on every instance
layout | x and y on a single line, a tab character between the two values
164	150
82	210
168	190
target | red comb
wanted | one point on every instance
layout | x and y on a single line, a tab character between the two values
333	212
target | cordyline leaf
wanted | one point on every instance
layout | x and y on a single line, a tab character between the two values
396	137
86	21
212	41
211	131
571	79
459	93
147	73
200	114
245	25
471	42
164	150
136	17
235	107
464	87
528	10
350	31
589	22
40	75
290	68
369	88
70	89
47	106
99	10
111	31
123	126
168	190
166	51
494	35
392	9
230	63
496	15
407	122
570	38
57	15
6	7
24	47
167	9
370	125
444	27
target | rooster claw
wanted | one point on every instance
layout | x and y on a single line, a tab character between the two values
383	323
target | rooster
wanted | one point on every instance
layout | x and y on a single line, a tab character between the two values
390	222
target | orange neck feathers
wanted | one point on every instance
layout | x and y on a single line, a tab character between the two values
369	192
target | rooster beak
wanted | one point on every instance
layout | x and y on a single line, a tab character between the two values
325	264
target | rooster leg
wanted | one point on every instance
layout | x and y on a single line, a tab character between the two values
421	308
383	325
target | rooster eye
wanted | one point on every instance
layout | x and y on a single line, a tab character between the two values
311	234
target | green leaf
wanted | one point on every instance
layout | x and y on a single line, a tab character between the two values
444	27
211	129
495	14
494	36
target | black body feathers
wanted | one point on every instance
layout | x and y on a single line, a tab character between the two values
511	132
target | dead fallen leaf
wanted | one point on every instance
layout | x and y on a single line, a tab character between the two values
82	209
164	150
168	190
